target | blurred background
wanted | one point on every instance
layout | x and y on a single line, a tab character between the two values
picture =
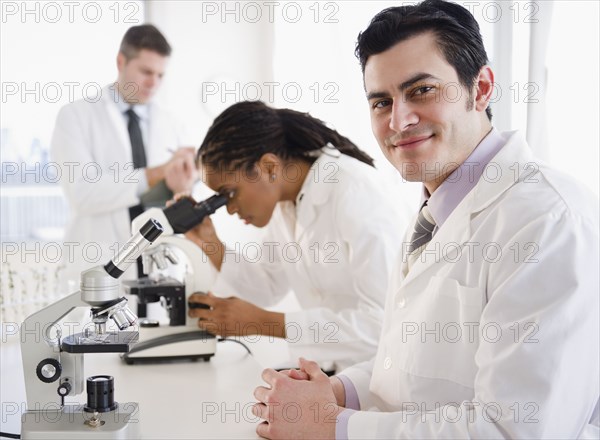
288	54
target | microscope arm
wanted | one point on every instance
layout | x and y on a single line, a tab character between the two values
40	340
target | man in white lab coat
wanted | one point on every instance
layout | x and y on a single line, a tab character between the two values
491	325
113	150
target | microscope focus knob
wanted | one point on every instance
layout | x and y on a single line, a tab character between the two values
48	370
64	389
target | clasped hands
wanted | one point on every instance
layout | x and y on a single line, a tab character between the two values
302	403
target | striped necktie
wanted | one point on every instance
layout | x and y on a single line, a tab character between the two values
422	234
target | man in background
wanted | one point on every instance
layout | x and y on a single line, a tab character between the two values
123	148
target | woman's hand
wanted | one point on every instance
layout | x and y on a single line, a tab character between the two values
235	317
204	235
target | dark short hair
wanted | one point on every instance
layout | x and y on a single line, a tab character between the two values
245	131
145	36
456	30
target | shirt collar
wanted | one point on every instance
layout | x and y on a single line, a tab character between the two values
463	179
141	110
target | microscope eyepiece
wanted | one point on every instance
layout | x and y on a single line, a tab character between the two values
151	230
131	250
186	213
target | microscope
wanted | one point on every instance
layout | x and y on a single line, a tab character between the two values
53	364
174	336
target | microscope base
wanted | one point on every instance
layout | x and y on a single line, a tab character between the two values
171	344
69	423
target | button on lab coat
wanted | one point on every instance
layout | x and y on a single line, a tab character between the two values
500	341
335	249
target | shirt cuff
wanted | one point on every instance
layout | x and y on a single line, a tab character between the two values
341	426
352	401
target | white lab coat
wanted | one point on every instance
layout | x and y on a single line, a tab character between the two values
91	146
335	249
525	363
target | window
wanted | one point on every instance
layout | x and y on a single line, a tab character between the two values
52	53
573	90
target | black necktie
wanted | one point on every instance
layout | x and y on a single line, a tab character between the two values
138	153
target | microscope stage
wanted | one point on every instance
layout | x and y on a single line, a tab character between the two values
113	342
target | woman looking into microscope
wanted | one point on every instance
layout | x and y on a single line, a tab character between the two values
332	237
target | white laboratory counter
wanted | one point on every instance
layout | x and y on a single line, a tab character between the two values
181	400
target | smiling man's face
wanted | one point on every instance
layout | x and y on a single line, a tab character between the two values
425	121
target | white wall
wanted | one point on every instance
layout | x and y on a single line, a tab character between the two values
226	49
289	54
308	46
227	53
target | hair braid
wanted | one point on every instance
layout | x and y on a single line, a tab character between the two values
244	132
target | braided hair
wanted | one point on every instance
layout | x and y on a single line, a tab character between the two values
244	132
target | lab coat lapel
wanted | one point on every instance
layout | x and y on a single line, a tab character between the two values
306	216
315	192
437	249
118	122
307	209
514	162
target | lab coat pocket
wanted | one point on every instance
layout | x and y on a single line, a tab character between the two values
451	288
449	331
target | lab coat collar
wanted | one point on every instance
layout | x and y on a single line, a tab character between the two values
316	191
318	183
513	163
463	179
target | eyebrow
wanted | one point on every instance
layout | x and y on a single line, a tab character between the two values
405	85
